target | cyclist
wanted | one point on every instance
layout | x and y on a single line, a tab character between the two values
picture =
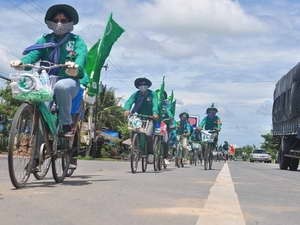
60	47
165	115
211	121
184	128
144	101
183	125
225	148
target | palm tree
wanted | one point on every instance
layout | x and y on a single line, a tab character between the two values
109	114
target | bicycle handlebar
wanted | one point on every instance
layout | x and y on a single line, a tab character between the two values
141	115
54	66
2	76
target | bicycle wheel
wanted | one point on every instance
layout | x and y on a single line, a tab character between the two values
21	145
205	156
144	163
177	157
135	154
157	154
60	159
210	157
75	150
44	162
195	157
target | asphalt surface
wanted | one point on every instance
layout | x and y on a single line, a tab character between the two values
106	193
267	195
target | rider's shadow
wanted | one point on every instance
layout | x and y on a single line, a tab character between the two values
85	182
80	180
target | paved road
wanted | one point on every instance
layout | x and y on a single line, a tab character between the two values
107	193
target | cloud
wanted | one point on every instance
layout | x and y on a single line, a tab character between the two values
217	17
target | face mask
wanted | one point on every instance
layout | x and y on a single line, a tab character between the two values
60	28
143	88
211	114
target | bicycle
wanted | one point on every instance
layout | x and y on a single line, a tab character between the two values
140	126
208	144
34	140
195	153
181	150
160	145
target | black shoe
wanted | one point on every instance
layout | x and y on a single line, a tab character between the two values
73	163
68	132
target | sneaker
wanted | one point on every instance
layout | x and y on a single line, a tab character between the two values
167	162
73	163
68	132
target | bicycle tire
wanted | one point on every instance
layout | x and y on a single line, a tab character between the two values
45	165
144	163
156	154
134	155
75	150
210	158
205	156
23	120
63	154
178	156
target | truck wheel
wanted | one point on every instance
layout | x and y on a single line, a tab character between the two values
294	164
284	161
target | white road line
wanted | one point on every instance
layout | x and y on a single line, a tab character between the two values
222	206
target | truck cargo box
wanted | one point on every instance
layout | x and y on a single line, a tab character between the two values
286	105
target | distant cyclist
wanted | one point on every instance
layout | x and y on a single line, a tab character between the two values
211	122
183	125
144	102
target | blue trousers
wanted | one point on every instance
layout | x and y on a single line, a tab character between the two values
64	91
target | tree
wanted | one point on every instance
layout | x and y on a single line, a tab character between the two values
245	151
271	144
109	113
8	105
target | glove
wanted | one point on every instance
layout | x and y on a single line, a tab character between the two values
72	69
155	116
16	64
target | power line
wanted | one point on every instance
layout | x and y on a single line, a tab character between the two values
25	12
36	6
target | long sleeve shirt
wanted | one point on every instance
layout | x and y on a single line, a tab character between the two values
149	106
211	123
74	50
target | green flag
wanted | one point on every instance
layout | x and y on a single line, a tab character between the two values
160	97
161	91
99	52
173	108
171	97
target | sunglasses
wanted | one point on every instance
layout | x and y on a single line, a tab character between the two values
60	20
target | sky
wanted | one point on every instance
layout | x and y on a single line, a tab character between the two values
226	52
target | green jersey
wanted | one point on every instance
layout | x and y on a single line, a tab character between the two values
73	50
211	123
143	104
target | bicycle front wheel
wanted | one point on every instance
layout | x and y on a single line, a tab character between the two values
210	157
75	151
135	154
44	162
206	156
157	153
21	144
60	159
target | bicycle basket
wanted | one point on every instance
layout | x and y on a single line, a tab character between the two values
207	137
29	87
140	125
195	145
